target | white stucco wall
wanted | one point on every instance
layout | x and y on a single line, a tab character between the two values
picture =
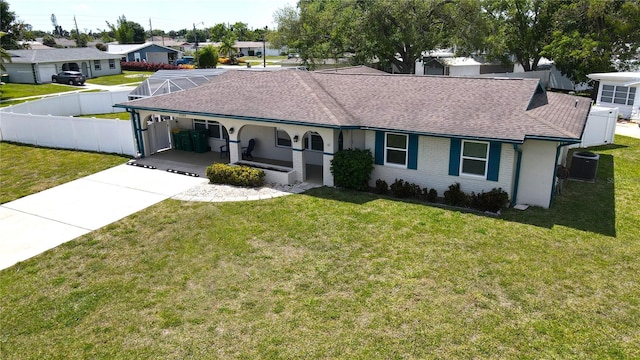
433	168
536	172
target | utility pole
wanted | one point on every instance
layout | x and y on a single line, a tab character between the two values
195	38
150	30
264	48
77	32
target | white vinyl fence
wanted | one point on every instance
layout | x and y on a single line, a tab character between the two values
49	122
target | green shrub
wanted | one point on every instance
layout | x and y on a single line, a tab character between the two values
351	168
235	175
493	201
454	196
382	187
404	189
431	195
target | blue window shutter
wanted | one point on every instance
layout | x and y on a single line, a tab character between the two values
454	157
379	151
413	152
495	148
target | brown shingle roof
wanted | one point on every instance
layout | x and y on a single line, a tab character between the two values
506	109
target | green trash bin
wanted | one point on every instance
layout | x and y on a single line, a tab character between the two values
185	140
200	140
177	141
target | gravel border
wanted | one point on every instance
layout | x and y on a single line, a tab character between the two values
208	192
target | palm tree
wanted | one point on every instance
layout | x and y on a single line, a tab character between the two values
227	48
4	54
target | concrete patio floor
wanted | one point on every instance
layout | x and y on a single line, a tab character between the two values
197	163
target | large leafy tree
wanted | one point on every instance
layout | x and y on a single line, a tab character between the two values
5	57
14	30
127	32
519	28
392	32
595	36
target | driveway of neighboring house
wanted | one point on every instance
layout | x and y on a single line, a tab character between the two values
628	129
41	221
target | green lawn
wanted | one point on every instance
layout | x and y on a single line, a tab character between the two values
337	274
14	91
25	170
127	77
122	115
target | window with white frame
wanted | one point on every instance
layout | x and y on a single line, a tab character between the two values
96	64
313	141
396	146
282	138
474	158
214	128
623	95
112	63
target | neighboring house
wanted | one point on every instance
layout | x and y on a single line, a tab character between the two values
619	90
169	42
445	63
247	48
149	52
37	66
432	131
34	45
459	66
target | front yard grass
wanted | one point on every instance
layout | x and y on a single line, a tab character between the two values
337	274
14	91
122	115
25	170
127	77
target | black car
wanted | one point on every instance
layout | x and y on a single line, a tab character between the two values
69	77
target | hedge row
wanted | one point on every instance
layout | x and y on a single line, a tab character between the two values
492	201
145	66
235	175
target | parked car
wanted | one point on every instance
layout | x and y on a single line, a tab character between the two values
186	60
69	77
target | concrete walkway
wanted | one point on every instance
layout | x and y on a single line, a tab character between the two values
41	221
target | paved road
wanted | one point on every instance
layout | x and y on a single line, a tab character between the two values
41	221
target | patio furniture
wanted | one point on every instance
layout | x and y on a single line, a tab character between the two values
224	149
246	152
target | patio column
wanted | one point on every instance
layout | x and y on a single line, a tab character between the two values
235	150
327	176
298	164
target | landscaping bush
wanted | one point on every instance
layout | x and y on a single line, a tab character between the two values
429	195
404	189
145	66
454	196
235	175
493	201
382	187
351	168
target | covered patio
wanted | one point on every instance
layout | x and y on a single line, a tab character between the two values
197	163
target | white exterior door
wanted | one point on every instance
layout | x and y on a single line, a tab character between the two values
158	136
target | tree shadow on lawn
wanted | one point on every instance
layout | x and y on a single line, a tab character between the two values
581	205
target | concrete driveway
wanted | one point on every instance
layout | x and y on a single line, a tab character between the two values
41	221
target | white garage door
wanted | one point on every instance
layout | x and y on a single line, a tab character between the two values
157	57
46	71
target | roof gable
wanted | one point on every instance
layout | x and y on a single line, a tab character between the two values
129	48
